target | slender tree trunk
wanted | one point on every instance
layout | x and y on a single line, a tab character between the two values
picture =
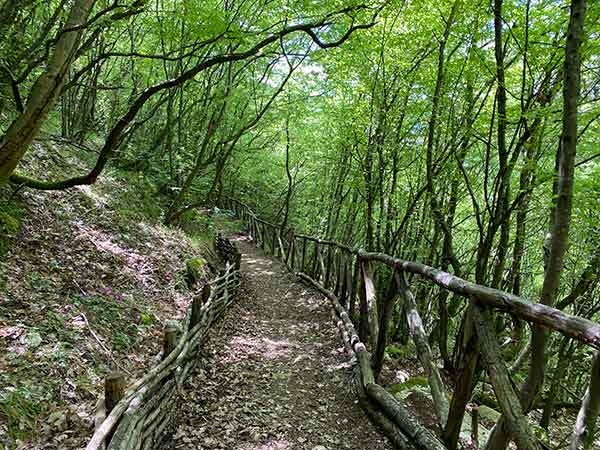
369	188
290	179
561	216
563	357
585	426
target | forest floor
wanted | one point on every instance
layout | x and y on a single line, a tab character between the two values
275	376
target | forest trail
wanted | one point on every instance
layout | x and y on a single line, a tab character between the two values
275	375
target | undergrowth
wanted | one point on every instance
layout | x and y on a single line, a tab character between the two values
11	214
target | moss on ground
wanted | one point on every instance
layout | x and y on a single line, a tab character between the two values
196	270
10	223
409	384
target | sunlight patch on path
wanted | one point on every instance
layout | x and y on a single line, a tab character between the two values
278	378
241	347
271	445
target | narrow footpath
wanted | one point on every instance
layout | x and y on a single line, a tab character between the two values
274	374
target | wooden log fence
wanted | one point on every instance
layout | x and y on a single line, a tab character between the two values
136	417
326	264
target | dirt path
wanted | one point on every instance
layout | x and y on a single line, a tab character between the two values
275	375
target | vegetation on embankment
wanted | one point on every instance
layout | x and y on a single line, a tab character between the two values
87	279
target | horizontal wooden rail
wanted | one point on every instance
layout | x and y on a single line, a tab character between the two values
326	242
323	263
578	328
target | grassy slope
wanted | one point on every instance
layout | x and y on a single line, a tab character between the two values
87	279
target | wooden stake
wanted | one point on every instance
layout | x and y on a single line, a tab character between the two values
302	264
114	389
196	309
169	340
292	252
205	293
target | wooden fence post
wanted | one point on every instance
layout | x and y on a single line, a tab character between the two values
289	242
322	263
475	426
385	316
205	293
281	249
302	263
419	337
319	265
369	320
114	390
354	277
169	339
328	259
337	268
293	252
196	310
343	279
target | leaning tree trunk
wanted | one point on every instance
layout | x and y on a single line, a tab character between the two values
44	92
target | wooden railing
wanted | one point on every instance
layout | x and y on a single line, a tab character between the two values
345	276
137	417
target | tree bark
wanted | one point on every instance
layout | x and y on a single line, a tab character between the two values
561	215
438	390
583	436
17	138
503	388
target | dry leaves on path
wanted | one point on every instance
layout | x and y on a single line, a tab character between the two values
274	375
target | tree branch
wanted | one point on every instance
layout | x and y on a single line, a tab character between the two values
114	136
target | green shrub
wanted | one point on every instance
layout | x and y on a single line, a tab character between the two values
139	200
8	224
395	352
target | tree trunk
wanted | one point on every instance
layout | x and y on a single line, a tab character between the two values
564	354
500	378
561	216
583	436
438	390
44	92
